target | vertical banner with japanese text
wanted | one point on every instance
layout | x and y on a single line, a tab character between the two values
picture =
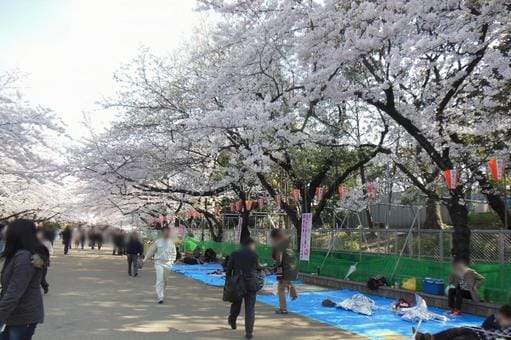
305	242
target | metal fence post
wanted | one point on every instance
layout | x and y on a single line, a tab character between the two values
378	241
360	244
441	244
501	245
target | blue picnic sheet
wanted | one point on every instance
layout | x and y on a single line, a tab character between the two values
382	322
202	273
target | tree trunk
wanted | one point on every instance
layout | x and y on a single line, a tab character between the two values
367	211
461	236
433	218
245	231
298	227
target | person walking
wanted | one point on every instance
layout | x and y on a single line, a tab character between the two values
82	238
49	233
285	268
47	244
134	249
98	238
21	301
66	238
163	252
245	263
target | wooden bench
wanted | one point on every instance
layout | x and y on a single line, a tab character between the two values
477	308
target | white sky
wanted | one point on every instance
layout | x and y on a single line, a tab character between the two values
69	49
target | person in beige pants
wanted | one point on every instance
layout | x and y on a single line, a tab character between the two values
285	268
163	252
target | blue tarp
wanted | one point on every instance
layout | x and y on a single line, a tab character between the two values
382	322
200	272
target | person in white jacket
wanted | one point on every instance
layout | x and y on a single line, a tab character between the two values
163	252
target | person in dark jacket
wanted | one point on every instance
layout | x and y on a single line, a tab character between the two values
246	263
21	301
66	239
134	250
49	233
285	268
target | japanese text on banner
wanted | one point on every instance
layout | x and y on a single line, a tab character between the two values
305	242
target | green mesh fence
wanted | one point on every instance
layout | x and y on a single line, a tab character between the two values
497	288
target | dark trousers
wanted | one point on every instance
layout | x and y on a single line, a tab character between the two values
67	246
133	264
457	334
456	296
23	332
44	284
250	299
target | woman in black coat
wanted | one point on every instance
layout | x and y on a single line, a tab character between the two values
21	301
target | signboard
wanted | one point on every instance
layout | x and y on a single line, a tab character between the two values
305	242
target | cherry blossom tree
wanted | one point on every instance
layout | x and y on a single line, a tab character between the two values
29	155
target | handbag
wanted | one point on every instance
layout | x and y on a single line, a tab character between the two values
234	288
260	280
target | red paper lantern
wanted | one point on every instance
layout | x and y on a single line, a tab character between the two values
451	178
497	168
278	200
296	194
319	193
260	203
249	204
343	192
371	190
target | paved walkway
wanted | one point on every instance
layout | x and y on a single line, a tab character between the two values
92	297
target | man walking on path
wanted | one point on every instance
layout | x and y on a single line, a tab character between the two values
285	267
245	263
134	249
164	252
66	238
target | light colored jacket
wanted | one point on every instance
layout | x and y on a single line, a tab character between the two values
470	281
162	251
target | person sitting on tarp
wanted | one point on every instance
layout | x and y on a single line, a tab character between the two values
209	256
197	252
465	283
195	258
497	326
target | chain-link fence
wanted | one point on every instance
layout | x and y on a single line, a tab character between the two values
489	246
